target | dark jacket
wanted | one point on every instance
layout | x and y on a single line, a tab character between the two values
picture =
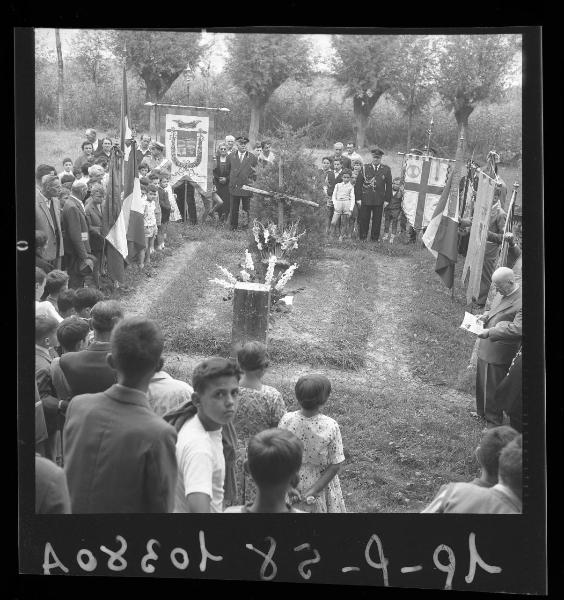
218	168
345	161
241	173
87	371
120	457
94	221
327	178
376	184
75	228
44	222
505	323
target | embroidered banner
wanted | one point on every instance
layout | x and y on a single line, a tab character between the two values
425	178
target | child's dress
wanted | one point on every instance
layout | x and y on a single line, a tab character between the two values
174	212
323	447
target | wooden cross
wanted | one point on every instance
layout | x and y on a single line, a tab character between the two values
279	197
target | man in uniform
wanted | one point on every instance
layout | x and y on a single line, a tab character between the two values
243	171
376	182
499	342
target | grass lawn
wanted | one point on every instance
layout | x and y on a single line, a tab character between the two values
378	321
374	317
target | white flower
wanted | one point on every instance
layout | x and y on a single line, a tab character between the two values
249	261
285	277
266	235
222	283
270	271
245	276
259	246
227	274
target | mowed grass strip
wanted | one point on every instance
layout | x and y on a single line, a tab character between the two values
439	350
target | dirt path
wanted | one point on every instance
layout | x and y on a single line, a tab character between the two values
387	358
151	289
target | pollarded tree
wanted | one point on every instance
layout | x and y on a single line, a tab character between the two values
158	57
413	77
364	64
260	63
472	69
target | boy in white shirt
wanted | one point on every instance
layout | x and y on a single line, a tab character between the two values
343	202
199	447
149	223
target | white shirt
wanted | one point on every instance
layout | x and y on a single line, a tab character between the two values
47	309
344	192
354	156
165	393
201	465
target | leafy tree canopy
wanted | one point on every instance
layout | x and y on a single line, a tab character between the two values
260	63
159	57
364	63
472	69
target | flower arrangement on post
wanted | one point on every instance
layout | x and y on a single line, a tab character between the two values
271	241
276	283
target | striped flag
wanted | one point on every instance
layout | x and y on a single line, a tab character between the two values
441	236
114	222
123	210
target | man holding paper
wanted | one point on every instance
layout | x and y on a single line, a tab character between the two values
499	343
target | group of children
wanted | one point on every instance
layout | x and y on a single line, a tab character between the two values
344	198
159	208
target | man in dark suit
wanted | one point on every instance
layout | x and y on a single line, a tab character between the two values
499	343
242	172
93	210
345	160
75	237
92	137
87	371
120	457
48	214
376	182
143	151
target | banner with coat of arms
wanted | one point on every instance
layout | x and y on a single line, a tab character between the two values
478	236
425	179
186	145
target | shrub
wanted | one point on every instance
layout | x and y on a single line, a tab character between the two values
299	179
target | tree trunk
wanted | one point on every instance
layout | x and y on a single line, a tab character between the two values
409	131
362	107
152	95
462	114
257	113
60	79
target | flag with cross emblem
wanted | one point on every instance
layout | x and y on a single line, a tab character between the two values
425	179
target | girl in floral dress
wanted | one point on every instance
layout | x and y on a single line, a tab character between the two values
319	487
260	407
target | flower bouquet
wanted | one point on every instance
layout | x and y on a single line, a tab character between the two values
276	283
271	241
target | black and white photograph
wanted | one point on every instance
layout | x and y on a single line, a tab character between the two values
282	272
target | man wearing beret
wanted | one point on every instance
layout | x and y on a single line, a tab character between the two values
243	170
375	180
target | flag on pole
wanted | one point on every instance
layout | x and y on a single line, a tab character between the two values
123	209
132	206
478	236
441	236
114	221
425	178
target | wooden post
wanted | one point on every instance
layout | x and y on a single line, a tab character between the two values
251	309
185	202
280	201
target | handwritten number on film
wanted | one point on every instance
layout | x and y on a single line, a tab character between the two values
444	559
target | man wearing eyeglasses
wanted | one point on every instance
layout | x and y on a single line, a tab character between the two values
500	341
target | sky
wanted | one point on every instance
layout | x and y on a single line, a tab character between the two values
321	43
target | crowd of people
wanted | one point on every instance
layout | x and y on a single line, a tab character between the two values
115	433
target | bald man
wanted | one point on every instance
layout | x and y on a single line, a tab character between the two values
92	137
345	160
230	143
75	236
499	343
